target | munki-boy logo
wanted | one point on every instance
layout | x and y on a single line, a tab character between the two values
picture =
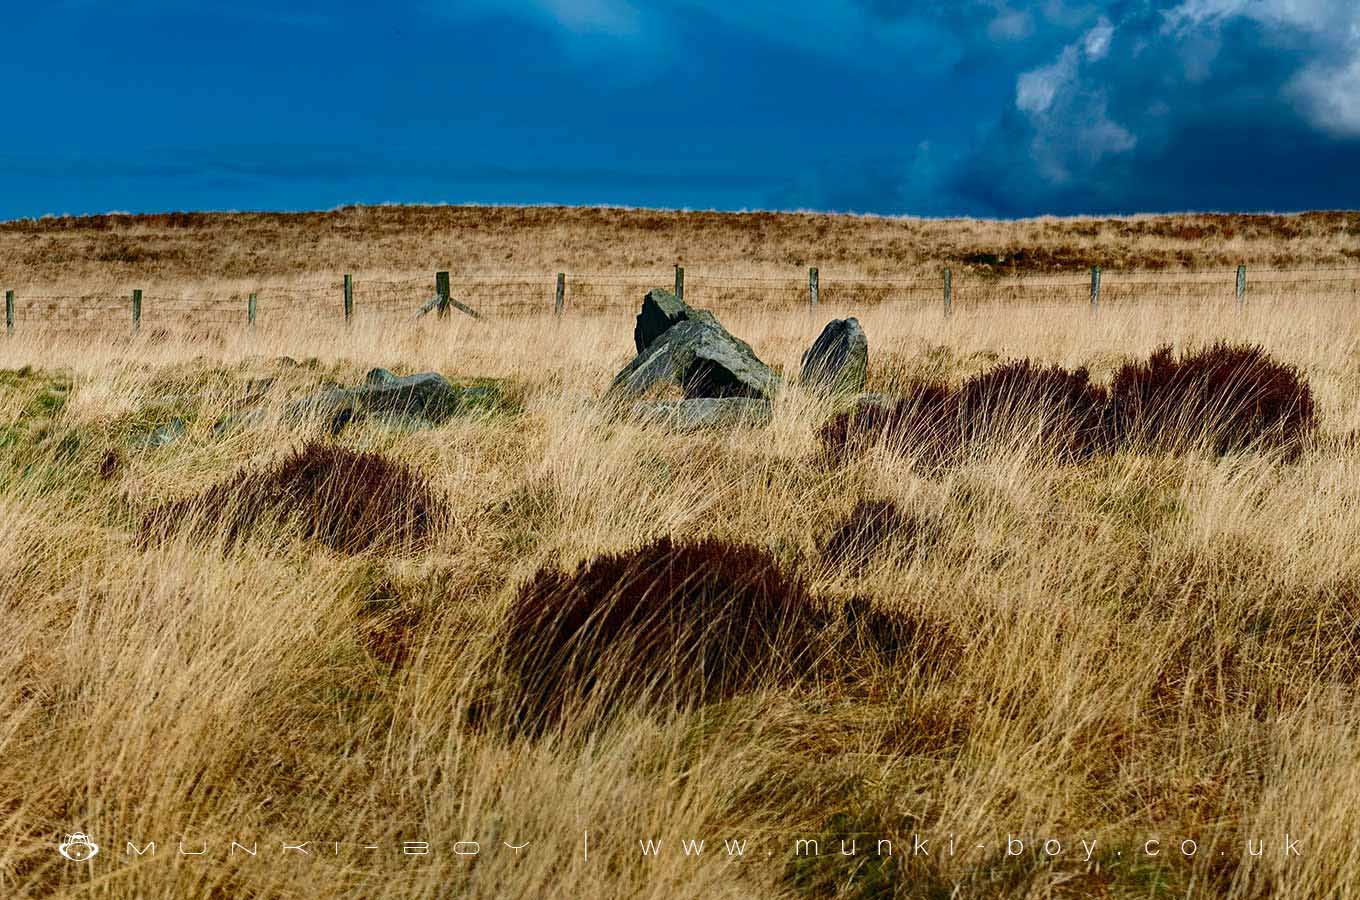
78	847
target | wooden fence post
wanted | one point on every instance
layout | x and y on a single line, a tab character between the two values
561	293
1241	285
948	291
441	291
250	311
137	310
814	290
9	312
349	297
1095	288
679	282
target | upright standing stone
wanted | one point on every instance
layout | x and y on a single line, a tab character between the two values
838	361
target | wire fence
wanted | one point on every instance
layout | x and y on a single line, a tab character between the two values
502	295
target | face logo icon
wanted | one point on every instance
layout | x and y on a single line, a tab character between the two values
77	847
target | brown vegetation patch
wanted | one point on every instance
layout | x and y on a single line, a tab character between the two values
1058	410
109	464
1064	404
1224	398
892	636
1227	397
667	624
205	247
349	501
917	420
389	628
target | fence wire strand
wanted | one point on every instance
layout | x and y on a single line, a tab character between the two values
529	293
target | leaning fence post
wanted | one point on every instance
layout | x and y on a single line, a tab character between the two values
441	292
137	309
561	293
250	311
349	297
948	291
813	290
1095	287
9	312
679	282
1241	285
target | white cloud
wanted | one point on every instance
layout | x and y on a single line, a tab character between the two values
1073	130
1036	90
1331	96
1306	14
1097	41
1010	25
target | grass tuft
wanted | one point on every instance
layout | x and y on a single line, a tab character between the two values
351	502
672	623
1227	397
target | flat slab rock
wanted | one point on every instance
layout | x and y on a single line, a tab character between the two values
703	413
420	400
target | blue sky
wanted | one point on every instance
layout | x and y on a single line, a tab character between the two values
974	107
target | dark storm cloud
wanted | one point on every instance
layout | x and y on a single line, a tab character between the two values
991	107
1167	110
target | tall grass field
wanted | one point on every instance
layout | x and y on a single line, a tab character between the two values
541	650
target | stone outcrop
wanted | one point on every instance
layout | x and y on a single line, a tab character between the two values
419	400
682	346
704	412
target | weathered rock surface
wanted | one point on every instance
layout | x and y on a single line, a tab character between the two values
424	399
161	436
660	310
704	412
687	347
838	361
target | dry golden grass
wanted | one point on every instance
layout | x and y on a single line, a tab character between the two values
1150	647
117	252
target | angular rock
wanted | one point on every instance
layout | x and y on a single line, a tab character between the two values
661	309
690	348
838	361
704	412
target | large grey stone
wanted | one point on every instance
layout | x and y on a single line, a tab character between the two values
427	395
704	412
705	361
838	361
689	347
661	309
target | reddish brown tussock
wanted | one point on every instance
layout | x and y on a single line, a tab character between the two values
389	631
110	464
349	501
1226	397
919	421
1065	405
669	624
1056	410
